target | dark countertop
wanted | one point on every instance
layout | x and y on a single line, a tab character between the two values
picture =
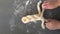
6	11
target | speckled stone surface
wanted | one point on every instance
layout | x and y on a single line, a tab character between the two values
10	22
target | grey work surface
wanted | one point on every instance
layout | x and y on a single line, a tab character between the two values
6	11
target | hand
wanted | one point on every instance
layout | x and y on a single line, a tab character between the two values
53	24
49	5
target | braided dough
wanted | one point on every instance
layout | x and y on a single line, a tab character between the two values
39	16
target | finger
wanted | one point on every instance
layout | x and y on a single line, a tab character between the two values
50	26
44	5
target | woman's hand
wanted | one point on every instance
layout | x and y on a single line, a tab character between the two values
53	24
49	5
